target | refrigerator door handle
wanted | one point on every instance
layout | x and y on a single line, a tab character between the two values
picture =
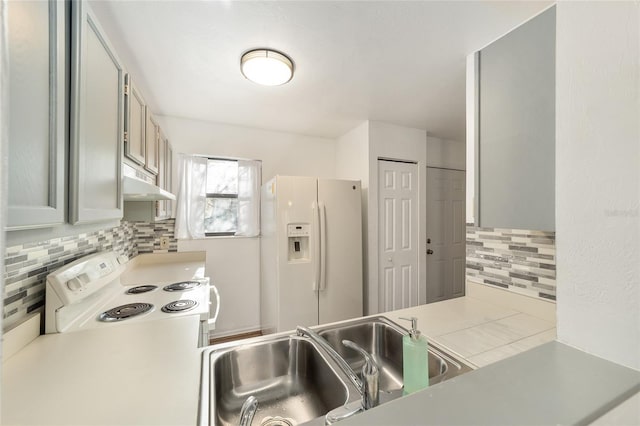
323	247
315	255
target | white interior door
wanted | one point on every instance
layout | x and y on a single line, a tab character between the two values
446	234
398	234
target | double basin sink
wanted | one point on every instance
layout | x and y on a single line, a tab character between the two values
297	381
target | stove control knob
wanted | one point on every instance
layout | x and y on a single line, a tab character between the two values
74	284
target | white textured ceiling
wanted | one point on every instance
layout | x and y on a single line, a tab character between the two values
400	62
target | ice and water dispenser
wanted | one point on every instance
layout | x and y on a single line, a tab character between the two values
298	236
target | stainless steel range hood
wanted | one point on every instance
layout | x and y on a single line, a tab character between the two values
135	189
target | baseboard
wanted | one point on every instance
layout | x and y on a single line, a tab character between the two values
536	307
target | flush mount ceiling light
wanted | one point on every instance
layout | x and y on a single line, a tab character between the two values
267	67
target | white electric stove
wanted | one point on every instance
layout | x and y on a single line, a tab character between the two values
88	294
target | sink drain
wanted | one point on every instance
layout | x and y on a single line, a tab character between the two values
277	421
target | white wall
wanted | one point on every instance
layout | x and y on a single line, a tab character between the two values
598	178
398	143
281	153
352	162
234	267
234	263
445	153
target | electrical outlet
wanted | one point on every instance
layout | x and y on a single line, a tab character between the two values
164	243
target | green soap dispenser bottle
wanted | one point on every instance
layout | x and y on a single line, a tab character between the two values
415	362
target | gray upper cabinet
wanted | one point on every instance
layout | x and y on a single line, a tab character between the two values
152	143
169	178
135	123
516	139
37	113
97	116
162	179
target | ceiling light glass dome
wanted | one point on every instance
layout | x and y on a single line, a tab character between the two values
266	67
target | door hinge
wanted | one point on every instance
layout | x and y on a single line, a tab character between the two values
126	136
126	90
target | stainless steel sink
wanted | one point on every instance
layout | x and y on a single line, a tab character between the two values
296	381
383	339
292	380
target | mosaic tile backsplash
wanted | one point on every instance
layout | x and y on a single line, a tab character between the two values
521	261
27	265
147	236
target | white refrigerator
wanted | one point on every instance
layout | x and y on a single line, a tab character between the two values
311	252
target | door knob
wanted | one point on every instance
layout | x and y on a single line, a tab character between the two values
429	251
389	259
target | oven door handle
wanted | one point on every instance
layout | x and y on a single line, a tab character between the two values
214	318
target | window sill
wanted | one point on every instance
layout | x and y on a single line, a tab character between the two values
220	237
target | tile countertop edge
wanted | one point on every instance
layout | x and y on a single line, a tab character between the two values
550	384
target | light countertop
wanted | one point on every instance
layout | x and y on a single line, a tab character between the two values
149	372
144	373
164	267
552	384
478	332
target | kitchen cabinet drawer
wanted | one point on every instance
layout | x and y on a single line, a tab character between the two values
96	125
135	123
37	40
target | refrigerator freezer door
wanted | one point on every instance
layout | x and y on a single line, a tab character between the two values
341	298
297	300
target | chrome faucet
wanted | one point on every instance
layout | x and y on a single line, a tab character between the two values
370	377
248	410
346	368
368	386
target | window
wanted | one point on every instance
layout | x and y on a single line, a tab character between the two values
221	209
232	204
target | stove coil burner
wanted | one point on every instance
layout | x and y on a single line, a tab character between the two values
123	312
141	289
182	286
179	306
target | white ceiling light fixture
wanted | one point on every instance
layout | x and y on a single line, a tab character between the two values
267	67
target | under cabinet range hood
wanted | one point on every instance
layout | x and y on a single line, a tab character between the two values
135	189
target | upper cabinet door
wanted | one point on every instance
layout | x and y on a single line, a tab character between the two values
97	115
152	144
516	145
169	179
37	113
135	123
161	206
